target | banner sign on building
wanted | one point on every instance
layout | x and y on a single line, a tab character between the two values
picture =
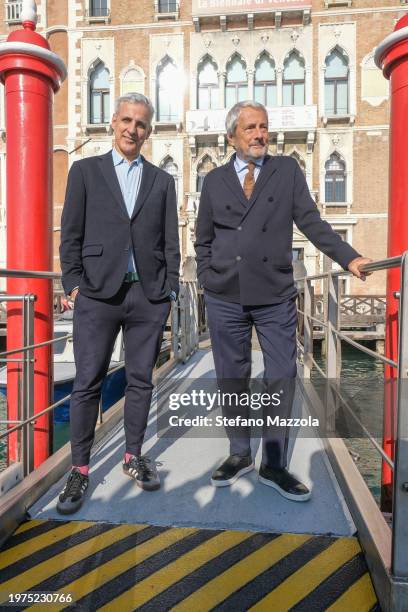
279	118
213	7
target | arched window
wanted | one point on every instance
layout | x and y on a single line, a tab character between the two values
335	179
133	81
204	167
294	80
168	92
99	95
299	160
336	84
207	94
265	81
169	165
236	86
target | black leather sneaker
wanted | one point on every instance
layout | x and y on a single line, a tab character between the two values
73	494
143	470
232	468
284	482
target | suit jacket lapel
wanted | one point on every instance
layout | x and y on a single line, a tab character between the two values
268	169
148	176
232	180
111	179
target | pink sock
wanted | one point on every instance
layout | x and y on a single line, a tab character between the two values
128	457
84	469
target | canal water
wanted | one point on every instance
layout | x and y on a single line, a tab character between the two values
361	379
362	382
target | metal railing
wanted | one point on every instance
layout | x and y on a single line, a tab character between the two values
331	372
13	12
183	343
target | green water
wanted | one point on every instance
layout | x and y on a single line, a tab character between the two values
362	379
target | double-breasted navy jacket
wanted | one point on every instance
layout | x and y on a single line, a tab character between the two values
244	248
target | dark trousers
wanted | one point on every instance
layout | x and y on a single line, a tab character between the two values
231	331
96	325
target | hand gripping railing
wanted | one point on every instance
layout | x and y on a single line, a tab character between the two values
184	341
333	337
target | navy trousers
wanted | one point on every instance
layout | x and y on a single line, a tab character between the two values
96	325
231	332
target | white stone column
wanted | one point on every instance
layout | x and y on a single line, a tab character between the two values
221	86
279	79
308	86
193	92
251	77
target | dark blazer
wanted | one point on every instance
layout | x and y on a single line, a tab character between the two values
97	233
244	248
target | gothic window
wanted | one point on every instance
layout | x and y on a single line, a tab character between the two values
335	179
299	160
169	165
204	167
265	81
294	80
99	95
168	99
236	86
132	82
207	95
336	84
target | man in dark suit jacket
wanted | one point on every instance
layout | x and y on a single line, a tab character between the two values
120	263
244	262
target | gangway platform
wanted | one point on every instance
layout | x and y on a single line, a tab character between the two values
190	546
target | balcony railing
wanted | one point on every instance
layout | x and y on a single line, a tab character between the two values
13	12
299	118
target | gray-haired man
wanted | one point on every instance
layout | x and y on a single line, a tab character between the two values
244	257
120	263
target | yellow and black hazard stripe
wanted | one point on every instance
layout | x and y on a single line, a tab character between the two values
110	567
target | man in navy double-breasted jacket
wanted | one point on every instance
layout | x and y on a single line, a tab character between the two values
244	262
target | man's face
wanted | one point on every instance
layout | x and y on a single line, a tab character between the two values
131	127
251	135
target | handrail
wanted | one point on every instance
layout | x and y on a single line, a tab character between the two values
12	273
334	335
184	335
34	346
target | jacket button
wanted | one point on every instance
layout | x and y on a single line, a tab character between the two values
239	228
126	249
238	258
265	259
270	199
228	207
264	229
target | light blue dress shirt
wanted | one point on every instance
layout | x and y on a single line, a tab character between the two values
241	168
129	177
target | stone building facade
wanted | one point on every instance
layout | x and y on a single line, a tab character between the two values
310	61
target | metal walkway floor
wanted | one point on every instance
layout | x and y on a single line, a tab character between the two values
101	566
190	546
187	499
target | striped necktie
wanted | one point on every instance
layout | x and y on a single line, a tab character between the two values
249	180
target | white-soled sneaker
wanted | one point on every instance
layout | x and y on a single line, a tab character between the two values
142	469
73	493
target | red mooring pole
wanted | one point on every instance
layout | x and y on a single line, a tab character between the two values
31	74
392	57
